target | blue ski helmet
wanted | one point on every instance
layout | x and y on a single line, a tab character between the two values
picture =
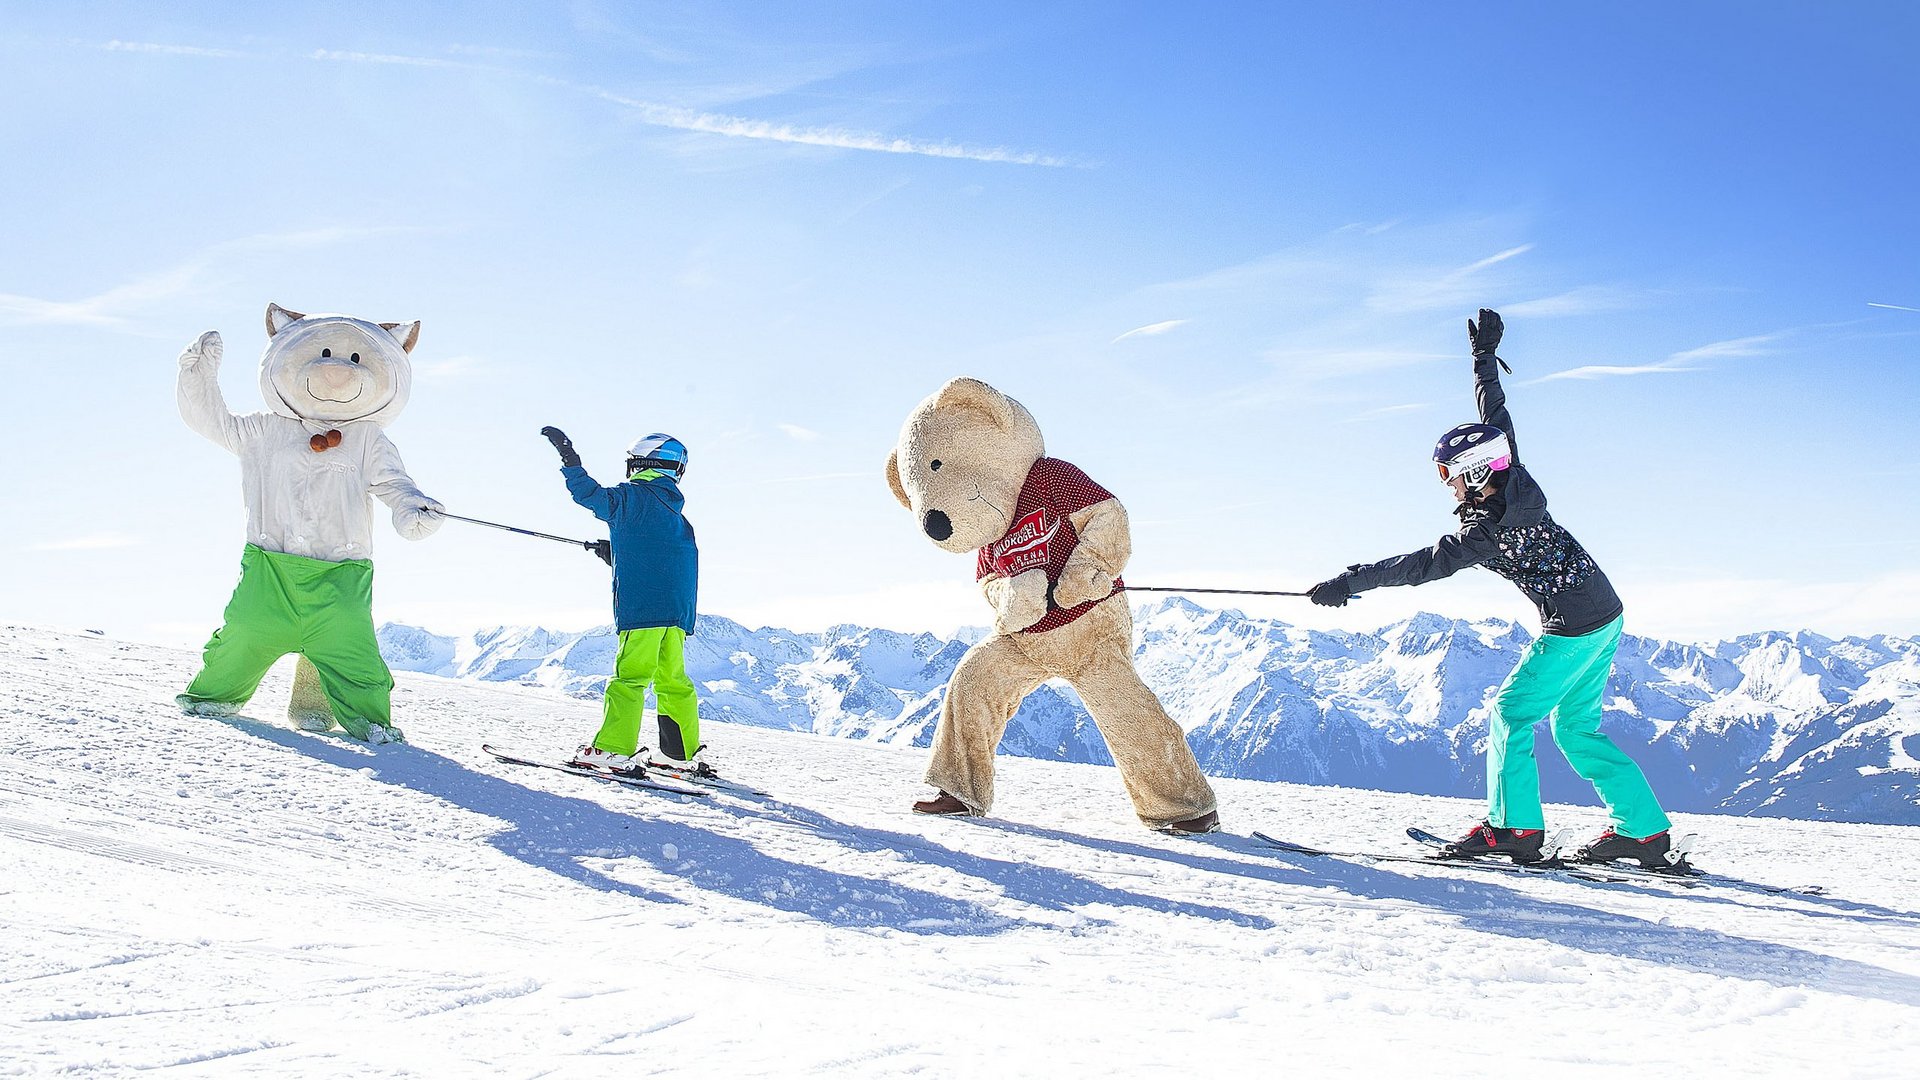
1473	452
657	451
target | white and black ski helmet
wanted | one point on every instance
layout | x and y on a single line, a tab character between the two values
1473	452
657	451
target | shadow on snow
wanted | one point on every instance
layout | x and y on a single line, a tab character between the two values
1491	908
556	832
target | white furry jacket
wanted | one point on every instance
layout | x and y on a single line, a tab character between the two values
299	501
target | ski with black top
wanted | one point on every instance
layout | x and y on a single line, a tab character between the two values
1545	867
643	782
1680	871
705	777
1685	875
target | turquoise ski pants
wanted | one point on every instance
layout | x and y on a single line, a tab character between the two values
653	656
1565	677
293	604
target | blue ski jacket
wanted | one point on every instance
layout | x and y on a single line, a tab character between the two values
656	563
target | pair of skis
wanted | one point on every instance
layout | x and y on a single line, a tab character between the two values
1679	872
683	781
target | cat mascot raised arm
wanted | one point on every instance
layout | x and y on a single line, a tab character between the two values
310	467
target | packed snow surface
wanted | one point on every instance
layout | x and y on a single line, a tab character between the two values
237	898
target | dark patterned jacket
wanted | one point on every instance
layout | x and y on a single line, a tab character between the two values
1510	533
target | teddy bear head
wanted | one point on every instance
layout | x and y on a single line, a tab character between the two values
334	368
962	458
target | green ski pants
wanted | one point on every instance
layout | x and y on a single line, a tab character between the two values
654	656
1565	677
293	604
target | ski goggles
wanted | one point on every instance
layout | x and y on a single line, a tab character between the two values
1466	469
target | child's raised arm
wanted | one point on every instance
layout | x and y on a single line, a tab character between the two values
1487	391
586	490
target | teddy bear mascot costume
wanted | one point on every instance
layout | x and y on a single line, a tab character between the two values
307	467
1051	543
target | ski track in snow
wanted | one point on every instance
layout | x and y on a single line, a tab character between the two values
235	898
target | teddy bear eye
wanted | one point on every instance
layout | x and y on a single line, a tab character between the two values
935	466
355	358
326	352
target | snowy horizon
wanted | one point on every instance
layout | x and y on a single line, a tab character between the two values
1789	725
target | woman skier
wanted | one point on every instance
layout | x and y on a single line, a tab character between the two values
1504	526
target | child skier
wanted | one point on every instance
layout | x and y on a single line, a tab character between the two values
1504	526
656	573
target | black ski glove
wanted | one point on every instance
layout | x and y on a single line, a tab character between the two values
568	457
1485	338
602	548
1333	592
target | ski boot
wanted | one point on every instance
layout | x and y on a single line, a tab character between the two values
589	756
695	767
1651	853
1520	845
944	804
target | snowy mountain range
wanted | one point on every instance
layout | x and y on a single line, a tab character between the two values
1772	724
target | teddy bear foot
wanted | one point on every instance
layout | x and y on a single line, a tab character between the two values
1205	823
943	804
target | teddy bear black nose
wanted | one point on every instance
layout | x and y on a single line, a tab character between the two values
937	525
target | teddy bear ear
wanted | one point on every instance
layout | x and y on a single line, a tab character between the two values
973	394
279	318
893	479
407	334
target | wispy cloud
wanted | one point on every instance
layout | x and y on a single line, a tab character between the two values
1746	346
680	118
1585	300
1492	260
345	57
1453	288
674	117
1150	330
169	50
1893	307
740	127
795	431
1689	360
95	542
118	305
1612	371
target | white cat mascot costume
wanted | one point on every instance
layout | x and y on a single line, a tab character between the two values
307	469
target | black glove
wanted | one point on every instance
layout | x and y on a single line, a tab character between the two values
602	548
568	457
1485	338
1333	592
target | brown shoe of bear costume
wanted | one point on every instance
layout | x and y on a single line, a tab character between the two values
1050	544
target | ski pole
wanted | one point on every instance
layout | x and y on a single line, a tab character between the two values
1235	592
588	544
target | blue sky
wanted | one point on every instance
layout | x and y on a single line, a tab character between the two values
1224	252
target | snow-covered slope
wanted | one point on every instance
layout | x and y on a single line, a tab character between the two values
239	899
1789	725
